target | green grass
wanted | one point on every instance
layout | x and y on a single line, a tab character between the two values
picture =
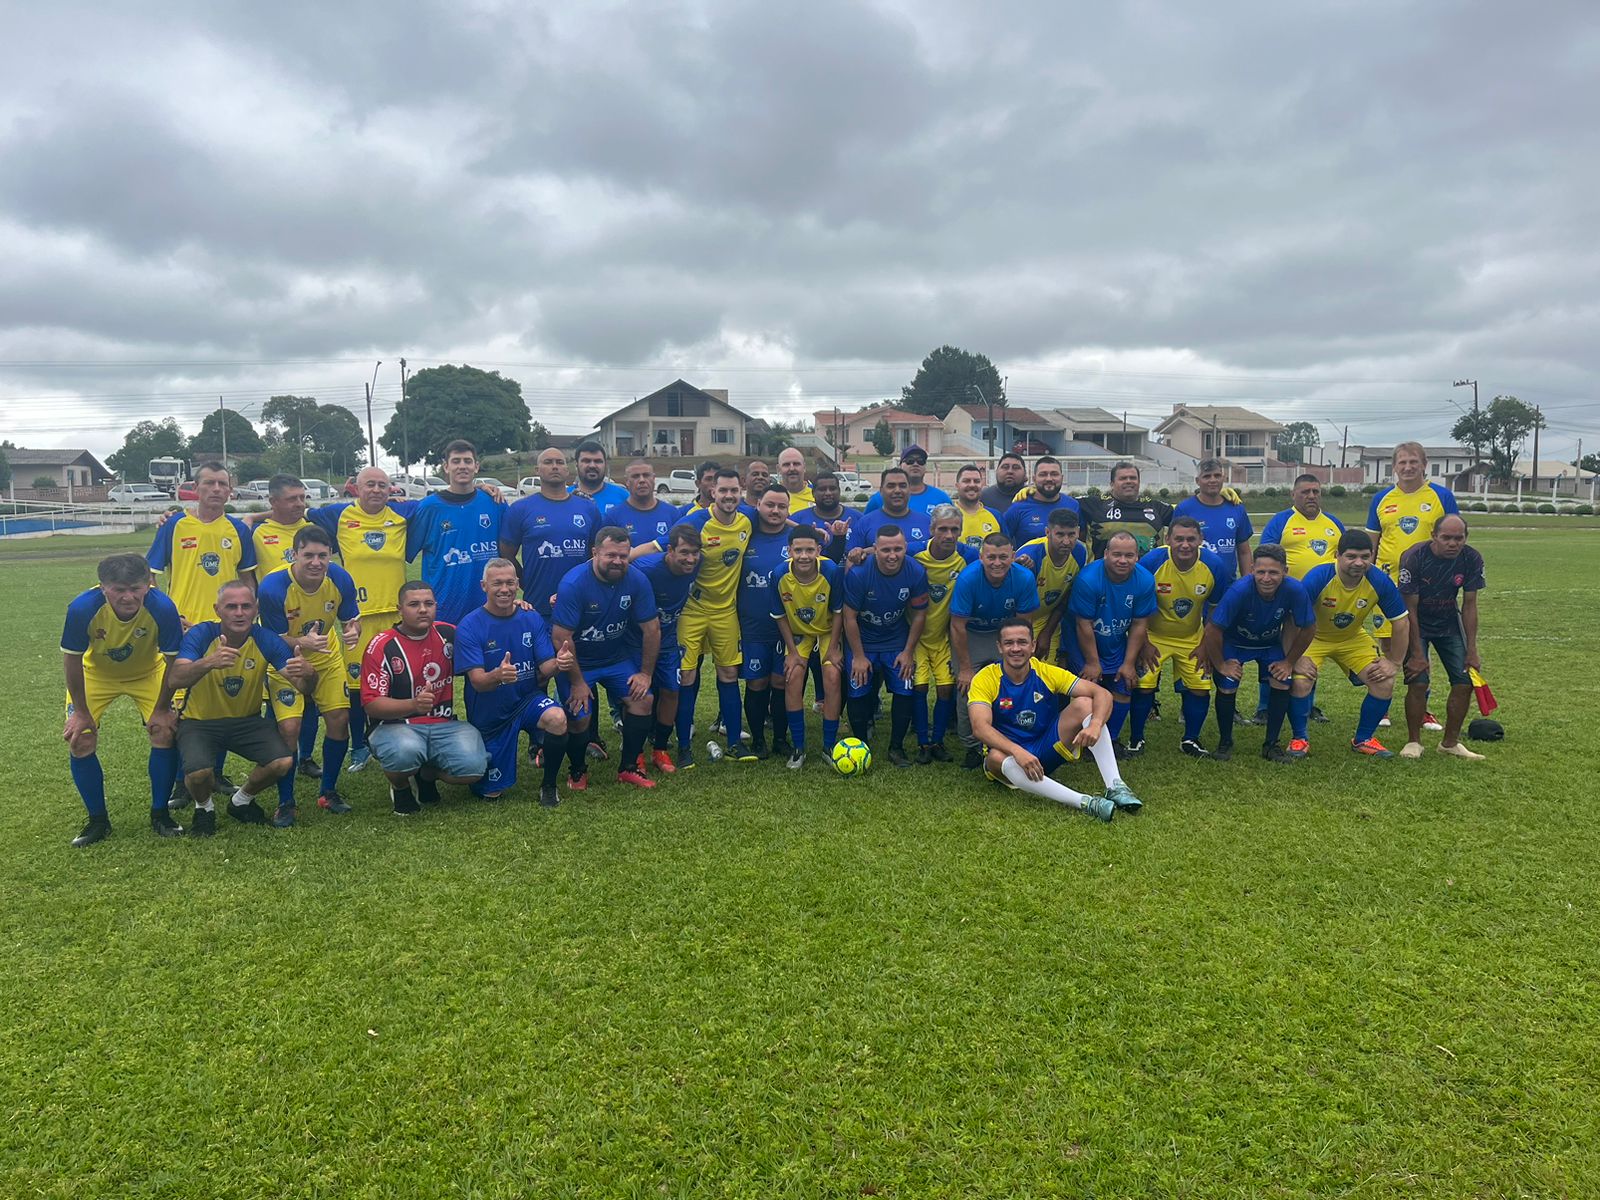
1336	978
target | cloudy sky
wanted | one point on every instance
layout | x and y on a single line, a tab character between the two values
1325	212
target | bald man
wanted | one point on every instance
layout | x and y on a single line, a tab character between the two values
792	473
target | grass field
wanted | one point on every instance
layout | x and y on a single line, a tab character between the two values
1334	978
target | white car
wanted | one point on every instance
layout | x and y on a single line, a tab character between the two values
247	492
319	489
137	493
680	484
528	485
418	486
505	489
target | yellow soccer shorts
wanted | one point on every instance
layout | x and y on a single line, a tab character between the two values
807	644
1353	655
329	691
933	663
100	692
372	624
1193	677
700	629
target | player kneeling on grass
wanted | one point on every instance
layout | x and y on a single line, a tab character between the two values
408	690
807	600
1032	717
117	641
223	665
1344	593
508	657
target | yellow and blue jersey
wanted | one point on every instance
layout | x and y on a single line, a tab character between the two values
1307	541
1054	580
809	607
372	547
1022	712
1402	519
116	650
1182	596
975	526
274	543
942	576
290	611
1342	611
234	691
198	557
722	547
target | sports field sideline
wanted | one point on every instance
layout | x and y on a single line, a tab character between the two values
1335	977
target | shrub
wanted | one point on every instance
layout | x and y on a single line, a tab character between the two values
44	483
1581	510
1477	506
1337	490
1165	493
1370	489
1528	506
1547	508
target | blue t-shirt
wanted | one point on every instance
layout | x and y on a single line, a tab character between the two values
1113	607
884	603
837	548
1223	529
608	497
482	642
766	558
984	605
643	527
550	536
864	531
929	497
1251	623
455	535
1027	519
671	593
599	614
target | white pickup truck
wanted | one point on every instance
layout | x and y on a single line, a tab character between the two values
679	485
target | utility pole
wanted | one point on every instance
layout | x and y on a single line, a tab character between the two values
222	416
405	419
1344	447
300	432
372	443
1473	384
990	403
1536	423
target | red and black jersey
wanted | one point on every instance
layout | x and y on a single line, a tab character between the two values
396	667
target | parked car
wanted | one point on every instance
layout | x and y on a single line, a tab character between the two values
416	487
396	492
137	493
319	489
246	493
528	485
1029	446
186	491
505	489
679	485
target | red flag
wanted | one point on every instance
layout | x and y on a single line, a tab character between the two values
1480	688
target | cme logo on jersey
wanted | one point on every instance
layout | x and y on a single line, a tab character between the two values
374	539
1344	620
211	564
1026	718
936	592
119	653
233	685
806	615
1183	607
729	557
1318	545
286	696
1409	524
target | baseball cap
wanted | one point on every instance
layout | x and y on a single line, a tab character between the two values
913	451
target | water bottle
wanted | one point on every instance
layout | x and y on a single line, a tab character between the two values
714	751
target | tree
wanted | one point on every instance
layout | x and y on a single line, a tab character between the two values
147	440
947	377
538	436
881	438
448	402
1501	428
774	437
5	463
1296	436
242	436
1589	462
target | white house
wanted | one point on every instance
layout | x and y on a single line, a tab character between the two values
1225	431
679	420
852	431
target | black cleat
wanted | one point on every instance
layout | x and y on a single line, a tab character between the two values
97	830
897	757
162	825
1223	752
1260	718
428	791
758	747
924	755
972	760
226	785
548	796
204	823
405	803
781	748
284	817
1317	715
309	769
1194	749
1275	753
1131	750
180	797
248	814
940	754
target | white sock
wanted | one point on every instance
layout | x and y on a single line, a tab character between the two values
242	798
1104	757
1046	787
206	805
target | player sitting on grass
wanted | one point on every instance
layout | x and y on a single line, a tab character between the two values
1032	717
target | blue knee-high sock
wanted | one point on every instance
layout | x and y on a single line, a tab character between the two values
1299	715
286	787
830	735
1263	693
358	722
816	675
688	696
919	716
1194	714
797	729
1277	708
1139	713
1227	703
308	730
1373	710
732	717
333	753
1119	714
90	779
163	773
222	761
944	708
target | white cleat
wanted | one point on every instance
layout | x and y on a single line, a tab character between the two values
1460	751
1411	750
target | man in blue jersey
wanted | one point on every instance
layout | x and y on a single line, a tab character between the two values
885	607
829	514
118	640
1026	517
549	532
592	482
596	603
671	574
456	531
894	488
986	593
766	558
1011	473
645	516
1265	617
920	494
1111	603
1225	527
508	658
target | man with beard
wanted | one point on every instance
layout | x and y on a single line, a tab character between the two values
1186	583
828	514
1123	512
671	574
944	558
1025	520
885	602
894	491
1111	604
977	522
1011	472
765	559
920	494
592	482
1055	561
710	620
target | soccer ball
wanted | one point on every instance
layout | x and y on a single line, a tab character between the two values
851	756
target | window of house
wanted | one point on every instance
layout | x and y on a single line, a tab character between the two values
722	437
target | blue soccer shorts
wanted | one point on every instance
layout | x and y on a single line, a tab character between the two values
502	741
882	664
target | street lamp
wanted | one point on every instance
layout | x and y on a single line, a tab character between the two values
372	444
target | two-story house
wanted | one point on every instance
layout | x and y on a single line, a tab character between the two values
679	420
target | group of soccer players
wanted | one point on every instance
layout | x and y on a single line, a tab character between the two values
1039	623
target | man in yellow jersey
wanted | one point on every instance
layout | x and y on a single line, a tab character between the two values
274	533
1309	536
117	641
1187	580
1055	560
710	620
792	473
200	550
704	476
977	522
806	602
222	665
1344	594
312	606
944	558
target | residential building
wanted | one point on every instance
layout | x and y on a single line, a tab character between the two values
1112	433
971	427
679	420
1200	431
852	431
67	468
1453	466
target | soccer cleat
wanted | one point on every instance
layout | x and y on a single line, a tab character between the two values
309	769
897	757
744	754
616	724
1372	748
1100	808
332	802
685	758
972	760
924	755
248	814
536	756
758	747
427	791
162	825
1223	752
226	786
1412	750
718	728
662	761
405	803
1131	750
180	797
1317	715
636	778
1260	718
1460	751
578	783
1121	795
797	760
940	754
204	823
284	817
1298	748
1275	753
598	751
359	758
1432	723
1383	724
97	830
1193	748
781	748
548	796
